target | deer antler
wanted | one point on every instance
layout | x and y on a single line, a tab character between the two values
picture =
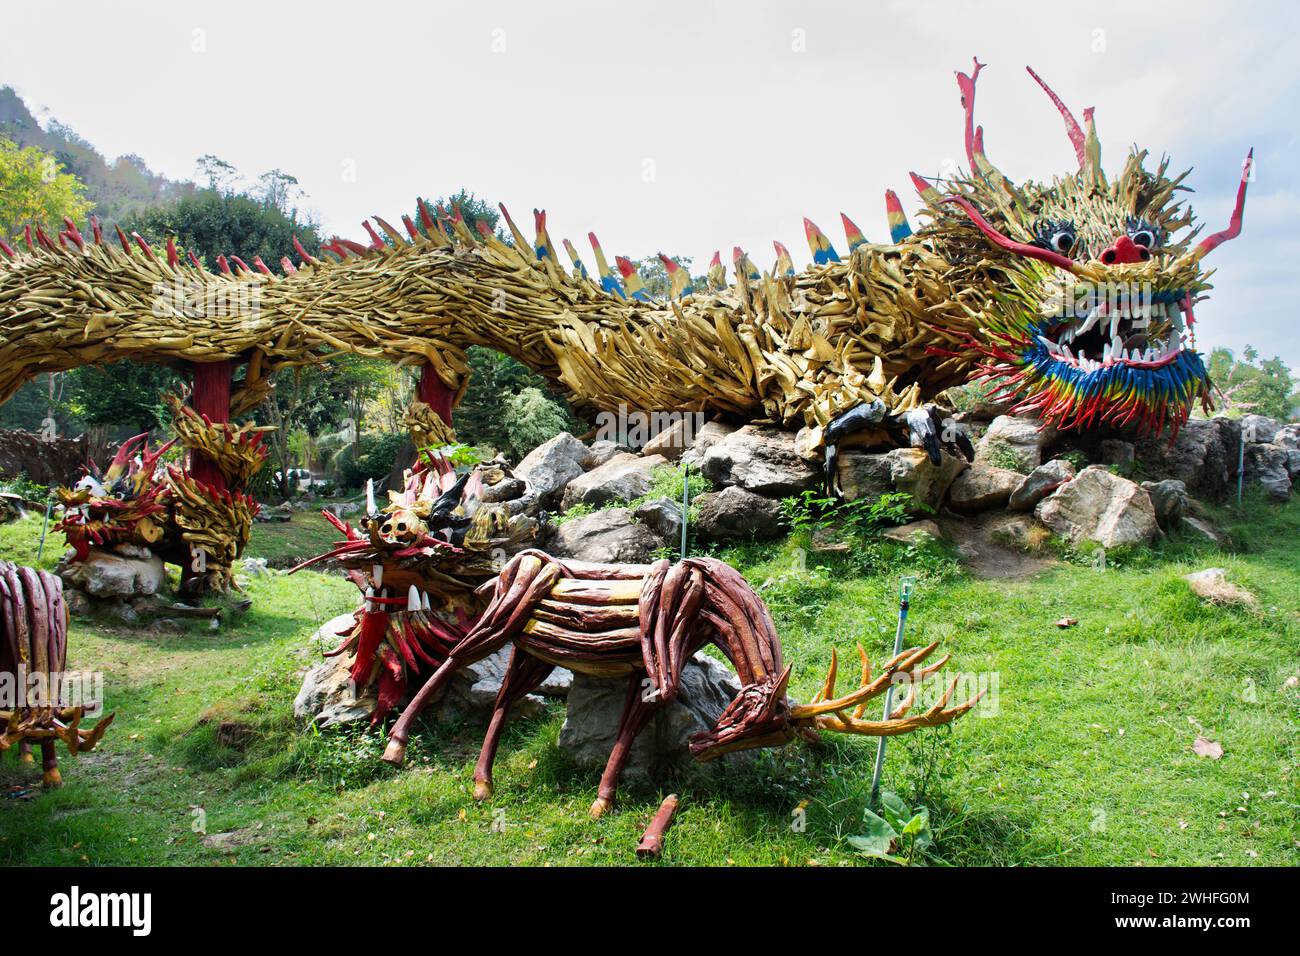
828	713
63	726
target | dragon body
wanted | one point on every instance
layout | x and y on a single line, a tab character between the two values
1076	295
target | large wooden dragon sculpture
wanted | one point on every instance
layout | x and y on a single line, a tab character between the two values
1076	294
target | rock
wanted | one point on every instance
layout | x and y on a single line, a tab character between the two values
255	567
1203	457
550	466
1293	463
1040	483
1014	442
1115	451
671	442
872	474
11	507
595	704
602	450
1288	436
982	488
622	478
663	516
1213	585
1267	464
327	697
473	691
1198	527
1168	498
1017	531
706	437
1257	429
509	488
809	444
607	536
107	575
759	459
273	513
1102	507
734	514
907	533
985	411
79	605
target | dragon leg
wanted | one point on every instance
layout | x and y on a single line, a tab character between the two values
25	752
524	674
927	427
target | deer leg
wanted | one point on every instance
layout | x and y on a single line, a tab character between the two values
525	673
637	712
50	764
25	752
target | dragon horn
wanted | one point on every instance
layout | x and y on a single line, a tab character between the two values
1072	128
1209	243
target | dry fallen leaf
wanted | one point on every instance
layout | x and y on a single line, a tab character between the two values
1066	622
1206	747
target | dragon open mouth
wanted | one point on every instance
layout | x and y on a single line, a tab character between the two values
1144	334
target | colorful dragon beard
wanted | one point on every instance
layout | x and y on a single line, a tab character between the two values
1092	322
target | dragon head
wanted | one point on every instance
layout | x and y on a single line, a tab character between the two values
121	505
1096	278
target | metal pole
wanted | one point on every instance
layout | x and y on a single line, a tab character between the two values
40	550
904	597
686	503
1241	465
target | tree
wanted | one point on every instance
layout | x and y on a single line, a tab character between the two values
210	223
532	418
219	173
1248	385
34	188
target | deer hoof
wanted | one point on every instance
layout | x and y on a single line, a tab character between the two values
599	807
52	777
482	789
26	758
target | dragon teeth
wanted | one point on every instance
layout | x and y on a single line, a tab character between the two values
1093	318
413	598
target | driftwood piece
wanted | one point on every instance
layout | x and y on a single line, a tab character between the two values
652	840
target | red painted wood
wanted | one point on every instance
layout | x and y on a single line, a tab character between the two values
210	397
435	394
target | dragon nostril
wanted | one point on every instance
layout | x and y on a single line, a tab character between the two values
1108	257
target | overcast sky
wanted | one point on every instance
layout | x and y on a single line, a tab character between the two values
687	127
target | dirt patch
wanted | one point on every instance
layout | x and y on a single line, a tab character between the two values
998	545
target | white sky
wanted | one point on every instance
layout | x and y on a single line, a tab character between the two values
745	129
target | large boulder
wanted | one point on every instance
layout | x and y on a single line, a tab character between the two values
1268	465
762	460
1040	483
609	536
595	705
734	514
550	466
1259	429
706	436
105	574
1169	499
622	478
1203	456
1102	507
909	470
982	487
1016	443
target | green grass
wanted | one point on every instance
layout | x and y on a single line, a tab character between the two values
1087	760
285	543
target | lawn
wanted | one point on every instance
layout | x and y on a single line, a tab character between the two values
1086	758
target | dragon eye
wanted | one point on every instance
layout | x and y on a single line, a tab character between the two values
1144	238
1062	241
401	526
